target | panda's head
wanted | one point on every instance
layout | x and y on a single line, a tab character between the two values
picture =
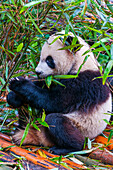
54	61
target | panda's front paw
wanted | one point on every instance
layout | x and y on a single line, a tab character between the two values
14	100
16	83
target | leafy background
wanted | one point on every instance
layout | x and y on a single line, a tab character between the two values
26	25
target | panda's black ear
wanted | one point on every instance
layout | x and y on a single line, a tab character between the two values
53	31
69	41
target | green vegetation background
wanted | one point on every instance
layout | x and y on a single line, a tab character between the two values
26	25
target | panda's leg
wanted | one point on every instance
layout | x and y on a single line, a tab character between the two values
66	137
61	134
34	137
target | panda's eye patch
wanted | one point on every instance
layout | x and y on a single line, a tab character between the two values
50	62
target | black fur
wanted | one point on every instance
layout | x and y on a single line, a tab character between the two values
64	134
82	94
14	100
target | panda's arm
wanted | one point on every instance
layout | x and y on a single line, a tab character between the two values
58	99
16	100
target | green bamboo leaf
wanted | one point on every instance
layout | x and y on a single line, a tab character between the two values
107	70
48	80
110	135
70	24
43	123
93	29
11	18
33	61
111	51
101	49
36	127
67	29
56	81
30	4
106	39
107	121
13	2
59	37
21	73
7	52
36	26
25	133
106	49
71	47
64	76
85	59
43	116
2	80
20	46
66	32
56	21
60	159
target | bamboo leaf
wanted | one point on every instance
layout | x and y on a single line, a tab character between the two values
2	80
48	80
30	4
107	121
36	26
25	133
107	70
43	116
33	61
111	51
20	46
64	76
106	39
93	29
35	126
110	135
56	81
42	154
43	123
101	49
106	49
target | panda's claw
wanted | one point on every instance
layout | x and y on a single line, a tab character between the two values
17	78
16	82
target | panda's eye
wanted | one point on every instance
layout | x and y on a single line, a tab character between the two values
50	62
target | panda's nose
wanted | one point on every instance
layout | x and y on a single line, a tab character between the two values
38	72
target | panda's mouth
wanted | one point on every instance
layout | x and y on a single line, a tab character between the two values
41	75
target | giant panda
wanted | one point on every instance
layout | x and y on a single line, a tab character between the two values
73	112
